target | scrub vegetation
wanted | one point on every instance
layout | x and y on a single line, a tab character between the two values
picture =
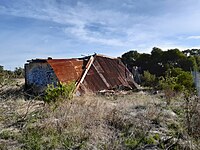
125	120
165	115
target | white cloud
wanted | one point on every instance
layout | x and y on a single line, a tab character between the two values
81	33
121	25
196	37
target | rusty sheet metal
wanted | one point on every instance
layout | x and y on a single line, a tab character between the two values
92	73
107	73
67	70
87	67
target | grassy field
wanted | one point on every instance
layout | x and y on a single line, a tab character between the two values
125	120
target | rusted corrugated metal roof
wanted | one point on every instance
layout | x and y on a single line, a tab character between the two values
93	73
107	73
67	70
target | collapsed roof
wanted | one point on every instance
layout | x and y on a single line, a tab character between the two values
92	73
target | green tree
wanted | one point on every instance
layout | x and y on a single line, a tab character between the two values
194	58
178	80
18	72
172	57
173	64
157	53
144	62
188	63
157	67
149	79
1	69
130	58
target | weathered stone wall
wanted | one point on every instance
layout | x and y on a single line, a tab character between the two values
38	76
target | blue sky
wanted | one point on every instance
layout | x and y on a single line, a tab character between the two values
71	28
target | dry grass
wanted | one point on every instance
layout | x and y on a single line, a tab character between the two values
131	121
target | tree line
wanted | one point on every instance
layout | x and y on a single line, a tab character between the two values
169	69
6	75
172	67
17	73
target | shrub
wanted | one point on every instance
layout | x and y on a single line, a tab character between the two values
58	92
32	139
7	134
176	80
149	79
186	80
5	79
18	72
167	83
132	143
192	117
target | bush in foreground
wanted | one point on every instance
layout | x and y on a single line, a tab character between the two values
58	92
